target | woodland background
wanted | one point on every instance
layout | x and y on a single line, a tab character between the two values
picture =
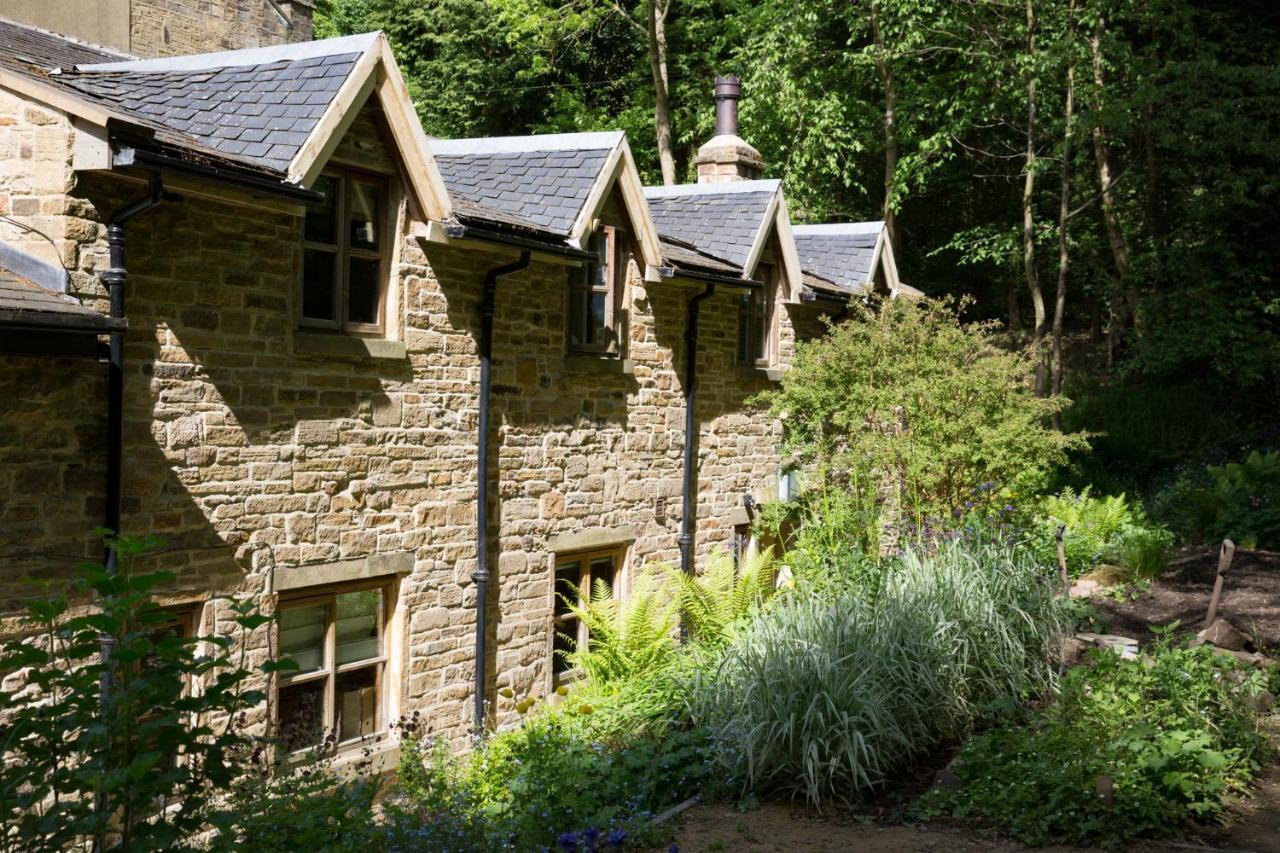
1100	175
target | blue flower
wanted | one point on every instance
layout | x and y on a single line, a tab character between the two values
674	848
590	836
616	837
567	841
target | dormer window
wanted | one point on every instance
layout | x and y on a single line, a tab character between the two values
344	281
596	295
757	321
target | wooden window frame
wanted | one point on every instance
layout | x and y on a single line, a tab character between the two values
761	322
585	581
329	670
616	260
343	253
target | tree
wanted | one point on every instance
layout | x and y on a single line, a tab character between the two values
912	393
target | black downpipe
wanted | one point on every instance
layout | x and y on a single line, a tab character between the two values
687	526
481	574
114	278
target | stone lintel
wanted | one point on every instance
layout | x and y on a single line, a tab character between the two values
598	537
362	568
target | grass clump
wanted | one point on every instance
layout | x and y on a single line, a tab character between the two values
1130	749
827	696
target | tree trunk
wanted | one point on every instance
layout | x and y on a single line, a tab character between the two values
1121	314
1028	205
890	127
1064	213
657	38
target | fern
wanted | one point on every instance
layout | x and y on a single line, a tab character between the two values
625	639
709	602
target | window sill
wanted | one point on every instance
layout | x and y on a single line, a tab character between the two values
766	374
600	364
318	343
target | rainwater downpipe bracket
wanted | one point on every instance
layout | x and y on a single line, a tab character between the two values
480	576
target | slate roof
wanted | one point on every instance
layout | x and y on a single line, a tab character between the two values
260	113
842	253
25	304
251	108
722	220
684	256
542	179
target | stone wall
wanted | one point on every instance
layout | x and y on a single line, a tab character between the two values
176	27
35	178
258	461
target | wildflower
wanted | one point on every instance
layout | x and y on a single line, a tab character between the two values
562	690
567	841
506	693
585	709
674	848
590	836
616	837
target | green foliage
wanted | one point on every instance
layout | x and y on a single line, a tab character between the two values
1238	501
830	695
722	593
831	536
627	637
1173	735
1106	529
909	391
530	788
77	770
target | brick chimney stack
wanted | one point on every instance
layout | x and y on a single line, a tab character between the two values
725	156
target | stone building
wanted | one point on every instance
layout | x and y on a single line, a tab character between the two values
399	390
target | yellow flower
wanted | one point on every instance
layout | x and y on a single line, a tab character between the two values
506	693
562	690
585	709
524	705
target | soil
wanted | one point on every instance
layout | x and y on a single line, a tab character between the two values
1250	598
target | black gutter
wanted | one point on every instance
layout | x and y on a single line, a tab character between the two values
481	574
249	181
460	231
689	520
49	321
711	277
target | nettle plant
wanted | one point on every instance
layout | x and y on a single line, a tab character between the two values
130	751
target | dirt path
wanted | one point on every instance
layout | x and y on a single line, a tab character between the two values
1250	598
781	827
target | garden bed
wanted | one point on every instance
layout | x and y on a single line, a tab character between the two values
1250	599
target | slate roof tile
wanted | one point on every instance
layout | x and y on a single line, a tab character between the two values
843	254
545	187
23	302
720	222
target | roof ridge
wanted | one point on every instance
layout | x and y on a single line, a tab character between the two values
526	144
717	188
243	57
868	227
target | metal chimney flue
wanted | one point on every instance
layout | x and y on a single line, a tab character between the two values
728	92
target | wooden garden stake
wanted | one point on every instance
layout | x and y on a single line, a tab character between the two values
1062	560
1225	556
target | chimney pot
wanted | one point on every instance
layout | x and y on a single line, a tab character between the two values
728	92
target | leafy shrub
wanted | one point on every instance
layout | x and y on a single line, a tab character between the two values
164	758
907	392
533	787
1239	501
1174	737
831	537
78	769
1098	530
829	695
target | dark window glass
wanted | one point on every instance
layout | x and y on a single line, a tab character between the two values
322	216
302	638
364	291
356	703
568	576
302	714
366	201
594	296
318	283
